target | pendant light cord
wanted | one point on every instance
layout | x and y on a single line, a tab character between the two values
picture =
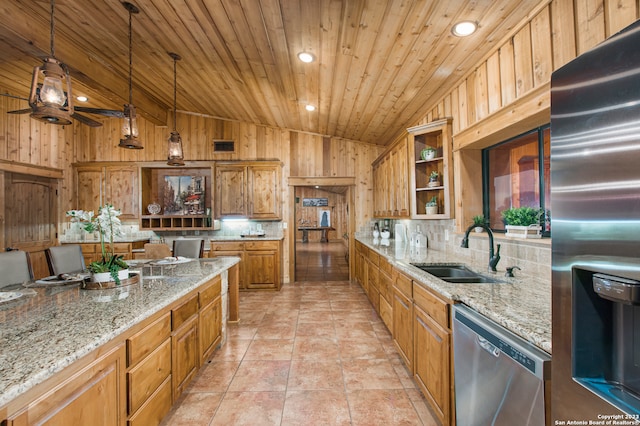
130	62
53	7
175	90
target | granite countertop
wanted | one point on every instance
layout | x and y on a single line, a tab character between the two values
88	240
246	238
48	329
521	304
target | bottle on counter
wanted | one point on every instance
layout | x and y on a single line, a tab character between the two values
421	239
376	230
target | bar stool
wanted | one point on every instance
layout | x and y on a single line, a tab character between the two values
15	268
188	247
65	259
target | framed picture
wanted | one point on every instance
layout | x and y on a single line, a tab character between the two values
315	202
183	195
324	217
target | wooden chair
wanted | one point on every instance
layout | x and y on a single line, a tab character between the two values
15	268
156	251
65	259
188	247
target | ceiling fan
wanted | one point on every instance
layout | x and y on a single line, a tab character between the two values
49	101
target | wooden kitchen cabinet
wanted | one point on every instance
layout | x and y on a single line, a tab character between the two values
92	252
97	185
184	345
436	135
94	395
372	279
248	189
260	262
432	351
390	182
209	319
403	318
385	285
149	373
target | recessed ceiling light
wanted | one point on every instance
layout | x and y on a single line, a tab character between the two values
82	98
464	28
310	108
306	57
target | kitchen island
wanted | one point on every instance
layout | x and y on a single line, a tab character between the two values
52	336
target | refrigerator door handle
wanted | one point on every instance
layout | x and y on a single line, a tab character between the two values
487	346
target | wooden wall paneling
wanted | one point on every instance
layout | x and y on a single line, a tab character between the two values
507	73
523	61
481	92
563	32
589	24
494	92
471	99
455	111
619	13
541	47
463	117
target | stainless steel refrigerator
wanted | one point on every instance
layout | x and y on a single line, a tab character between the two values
595	230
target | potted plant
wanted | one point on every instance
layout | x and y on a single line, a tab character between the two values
432	205
428	153
479	221
111	267
523	222
434	179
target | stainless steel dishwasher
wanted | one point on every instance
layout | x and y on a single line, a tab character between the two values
499	377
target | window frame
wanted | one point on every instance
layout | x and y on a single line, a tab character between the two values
486	184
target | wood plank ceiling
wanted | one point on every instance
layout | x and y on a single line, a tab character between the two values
379	64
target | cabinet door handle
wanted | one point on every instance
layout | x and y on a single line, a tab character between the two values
426	327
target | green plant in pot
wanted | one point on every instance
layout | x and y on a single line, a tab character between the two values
434	178
428	153
432	205
479	221
523	217
108	225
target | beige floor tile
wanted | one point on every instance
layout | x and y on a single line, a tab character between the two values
370	374
276	331
270	349
317	348
260	376
234	349
315	375
316	329
250	409
214	377
316	408
361	348
194	409
382	407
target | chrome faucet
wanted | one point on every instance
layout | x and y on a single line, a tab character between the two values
494	258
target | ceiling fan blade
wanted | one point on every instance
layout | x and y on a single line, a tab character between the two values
86	120
20	111
100	111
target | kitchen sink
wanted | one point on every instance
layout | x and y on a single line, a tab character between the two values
456	273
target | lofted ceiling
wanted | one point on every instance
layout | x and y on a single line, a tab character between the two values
379	63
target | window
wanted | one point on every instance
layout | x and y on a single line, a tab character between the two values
513	174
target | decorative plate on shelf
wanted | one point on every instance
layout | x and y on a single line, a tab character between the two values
153	208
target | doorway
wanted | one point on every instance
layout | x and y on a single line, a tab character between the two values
321	222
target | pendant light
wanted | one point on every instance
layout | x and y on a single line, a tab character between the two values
130	123
48	100
175	157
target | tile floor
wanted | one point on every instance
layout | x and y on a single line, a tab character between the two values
314	353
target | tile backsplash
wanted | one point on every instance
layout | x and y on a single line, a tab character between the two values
532	256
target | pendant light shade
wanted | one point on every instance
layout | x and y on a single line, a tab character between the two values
51	100
175	157
130	123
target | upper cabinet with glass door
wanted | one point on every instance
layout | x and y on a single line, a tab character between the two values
431	179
